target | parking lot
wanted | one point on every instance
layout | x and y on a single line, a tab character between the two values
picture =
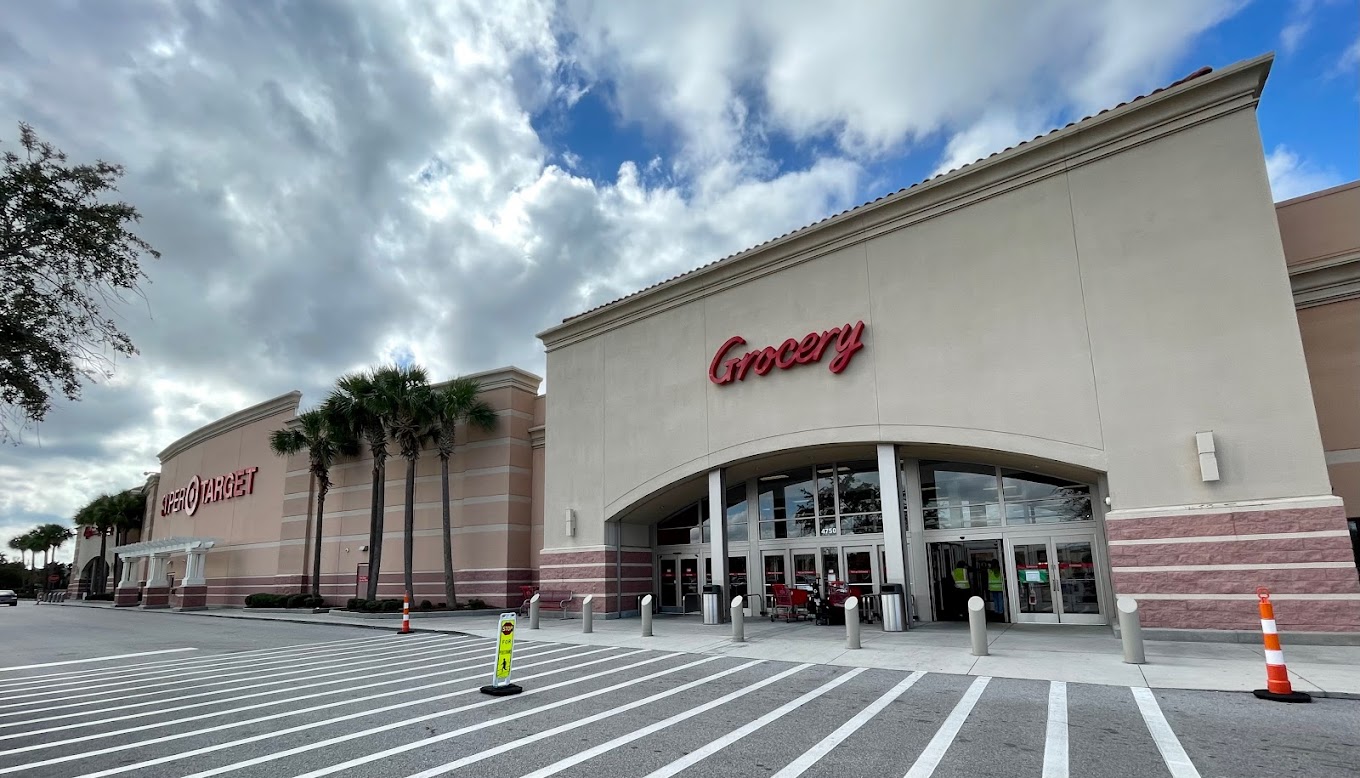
375	703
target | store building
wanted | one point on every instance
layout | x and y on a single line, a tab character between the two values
1093	365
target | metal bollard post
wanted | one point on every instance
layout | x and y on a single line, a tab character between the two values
533	611
647	616
852	622
738	621
977	625
588	613
1131	631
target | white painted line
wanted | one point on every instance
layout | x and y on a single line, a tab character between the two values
94	698
1055	735
250	666
171	662
813	755
480	755
430	716
93	659
264	736
465	664
591	753
935	750
697	756
1177	761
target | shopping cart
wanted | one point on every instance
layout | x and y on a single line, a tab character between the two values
791	604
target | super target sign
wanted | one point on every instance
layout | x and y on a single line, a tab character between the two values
201	491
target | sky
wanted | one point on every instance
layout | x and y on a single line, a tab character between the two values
338	184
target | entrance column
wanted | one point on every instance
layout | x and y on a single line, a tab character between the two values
157	591
193	590
894	542
717	534
125	593
916	532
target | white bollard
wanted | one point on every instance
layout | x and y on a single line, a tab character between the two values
533	611
588	613
1131	631
647	616
977	625
738	621
852	622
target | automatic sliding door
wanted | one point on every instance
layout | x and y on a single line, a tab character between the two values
1034	585
1079	596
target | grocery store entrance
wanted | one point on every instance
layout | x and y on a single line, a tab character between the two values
964	568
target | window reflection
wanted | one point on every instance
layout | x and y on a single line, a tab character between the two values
960	495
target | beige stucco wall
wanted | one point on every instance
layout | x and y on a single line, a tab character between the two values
1322	224
1095	299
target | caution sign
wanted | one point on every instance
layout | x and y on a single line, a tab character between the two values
505	650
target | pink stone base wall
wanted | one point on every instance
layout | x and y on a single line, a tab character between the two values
125	598
156	597
596	572
498	588
190	597
1322	598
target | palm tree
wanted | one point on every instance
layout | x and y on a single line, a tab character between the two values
52	537
324	443
455	402
128	509
410	415
100	514
20	543
359	409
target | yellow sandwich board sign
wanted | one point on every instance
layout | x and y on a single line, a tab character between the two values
505	651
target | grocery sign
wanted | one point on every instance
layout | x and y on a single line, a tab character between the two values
810	348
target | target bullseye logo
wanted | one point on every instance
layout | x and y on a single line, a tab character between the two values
191	495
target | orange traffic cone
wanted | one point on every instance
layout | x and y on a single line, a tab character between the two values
1278	687
405	615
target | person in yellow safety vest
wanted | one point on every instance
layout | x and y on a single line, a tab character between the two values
996	588
961	577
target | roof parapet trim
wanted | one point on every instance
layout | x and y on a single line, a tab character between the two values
282	404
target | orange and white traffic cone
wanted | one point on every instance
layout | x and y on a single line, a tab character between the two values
405	615
1278	687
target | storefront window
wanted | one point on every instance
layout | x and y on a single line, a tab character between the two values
857	488
1041	499
788	505
736	513
958	496
863	524
681	528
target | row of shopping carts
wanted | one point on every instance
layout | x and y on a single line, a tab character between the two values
797	604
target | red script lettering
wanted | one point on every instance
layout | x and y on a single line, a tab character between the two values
846	341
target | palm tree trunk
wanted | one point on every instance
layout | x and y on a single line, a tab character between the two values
450	596
117	560
320	517
375	527
408	542
103	568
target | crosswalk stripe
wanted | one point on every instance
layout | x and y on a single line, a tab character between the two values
243	667
452	711
486	754
96	699
1177	761
93	659
287	731
591	753
175	663
405	674
694	757
1055	734
284	686
810	757
935	750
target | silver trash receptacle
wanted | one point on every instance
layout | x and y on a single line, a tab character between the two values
712	604
893	601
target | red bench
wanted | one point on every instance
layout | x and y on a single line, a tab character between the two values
559	599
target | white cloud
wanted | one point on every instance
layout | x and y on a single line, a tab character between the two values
1300	22
336	184
1292	176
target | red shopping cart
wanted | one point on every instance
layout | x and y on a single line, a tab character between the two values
791	604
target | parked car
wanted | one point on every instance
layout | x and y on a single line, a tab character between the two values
8	597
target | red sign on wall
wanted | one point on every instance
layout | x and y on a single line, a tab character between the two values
201	491
846	341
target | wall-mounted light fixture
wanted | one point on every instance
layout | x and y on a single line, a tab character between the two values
1208	456
571	523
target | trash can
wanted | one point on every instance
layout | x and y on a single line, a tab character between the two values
893	601
712	604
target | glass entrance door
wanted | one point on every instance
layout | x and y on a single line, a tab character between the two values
1055	580
689	584
670	586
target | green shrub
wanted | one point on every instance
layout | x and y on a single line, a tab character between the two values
296	601
442	605
373	606
391	606
266	600
314	602
426	605
477	604
354	604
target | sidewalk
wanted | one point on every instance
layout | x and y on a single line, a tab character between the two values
1030	651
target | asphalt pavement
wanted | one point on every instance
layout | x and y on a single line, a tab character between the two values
317	701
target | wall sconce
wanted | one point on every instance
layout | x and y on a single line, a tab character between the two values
1208	456
571	523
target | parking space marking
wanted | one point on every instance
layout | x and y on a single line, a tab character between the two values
694	757
308	726
465	664
1055	734
935	750
1173	754
810	757
171	663
95	659
591	753
488	753
248	667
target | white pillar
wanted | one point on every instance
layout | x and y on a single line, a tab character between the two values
129	565
717	531
156	575
894	540
916	534
193	568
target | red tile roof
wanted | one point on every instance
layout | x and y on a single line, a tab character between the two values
1197	74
